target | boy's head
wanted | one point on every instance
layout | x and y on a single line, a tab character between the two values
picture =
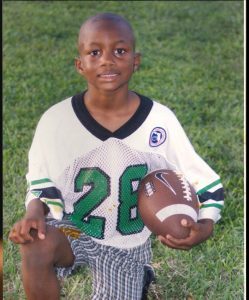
106	46
106	18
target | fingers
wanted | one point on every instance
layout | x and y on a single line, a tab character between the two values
41	227
170	242
190	224
186	243
22	232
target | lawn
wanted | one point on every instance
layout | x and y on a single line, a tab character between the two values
192	61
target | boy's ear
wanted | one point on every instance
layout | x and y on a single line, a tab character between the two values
79	65
137	61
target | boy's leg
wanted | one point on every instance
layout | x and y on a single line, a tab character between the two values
118	274
38	261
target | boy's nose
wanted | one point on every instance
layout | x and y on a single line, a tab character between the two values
107	58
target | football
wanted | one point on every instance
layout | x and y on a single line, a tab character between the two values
165	197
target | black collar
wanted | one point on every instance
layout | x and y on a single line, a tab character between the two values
101	132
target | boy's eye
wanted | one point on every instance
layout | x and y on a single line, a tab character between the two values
94	52
119	51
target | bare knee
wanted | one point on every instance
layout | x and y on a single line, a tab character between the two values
38	252
45	253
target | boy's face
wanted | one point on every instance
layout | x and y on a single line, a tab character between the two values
107	58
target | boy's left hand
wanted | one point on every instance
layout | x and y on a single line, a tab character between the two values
199	232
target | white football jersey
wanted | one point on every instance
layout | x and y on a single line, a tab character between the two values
87	174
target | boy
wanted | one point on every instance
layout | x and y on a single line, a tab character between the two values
87	158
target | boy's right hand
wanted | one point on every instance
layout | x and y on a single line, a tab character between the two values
21	231
34	219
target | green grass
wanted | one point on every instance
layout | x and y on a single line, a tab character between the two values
192	62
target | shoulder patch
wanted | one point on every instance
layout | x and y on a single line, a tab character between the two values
157	136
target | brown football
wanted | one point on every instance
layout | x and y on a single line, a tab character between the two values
165	197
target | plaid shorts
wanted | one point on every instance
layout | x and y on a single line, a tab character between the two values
117	273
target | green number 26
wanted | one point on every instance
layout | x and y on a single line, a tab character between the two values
129	221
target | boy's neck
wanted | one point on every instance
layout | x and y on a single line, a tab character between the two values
108	101
111	110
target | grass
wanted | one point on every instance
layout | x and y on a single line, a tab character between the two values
192	62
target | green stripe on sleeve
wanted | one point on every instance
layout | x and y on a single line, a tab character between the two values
40	181
208	187
212	205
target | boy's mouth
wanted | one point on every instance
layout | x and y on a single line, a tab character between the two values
108	75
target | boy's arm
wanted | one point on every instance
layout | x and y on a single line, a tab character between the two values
39	180
37	207
33	219
42	195
205	181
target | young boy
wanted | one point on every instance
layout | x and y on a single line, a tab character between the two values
87	158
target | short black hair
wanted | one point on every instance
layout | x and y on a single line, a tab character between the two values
109	17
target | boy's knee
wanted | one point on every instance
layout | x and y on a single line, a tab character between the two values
54	249
39	252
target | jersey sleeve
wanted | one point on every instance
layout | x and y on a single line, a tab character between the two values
39	182
205	181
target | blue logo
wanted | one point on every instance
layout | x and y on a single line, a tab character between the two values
157	137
